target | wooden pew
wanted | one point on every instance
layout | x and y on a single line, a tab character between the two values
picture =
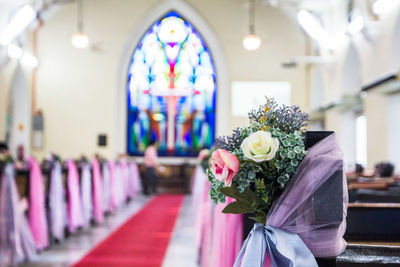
373	222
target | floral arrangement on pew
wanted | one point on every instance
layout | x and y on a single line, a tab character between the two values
255	163
204	158
6	158
267	170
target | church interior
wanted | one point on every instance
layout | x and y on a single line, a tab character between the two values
112	112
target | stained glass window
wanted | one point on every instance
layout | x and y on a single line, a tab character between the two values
171	90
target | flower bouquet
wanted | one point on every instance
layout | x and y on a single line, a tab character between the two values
265	167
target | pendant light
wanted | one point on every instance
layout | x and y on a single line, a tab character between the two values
80	39
251	41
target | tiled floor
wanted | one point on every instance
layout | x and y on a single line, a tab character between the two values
181	251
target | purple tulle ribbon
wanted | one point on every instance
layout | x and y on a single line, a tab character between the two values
293	216
57	203
86	192
16	241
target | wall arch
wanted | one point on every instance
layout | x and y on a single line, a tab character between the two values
134	38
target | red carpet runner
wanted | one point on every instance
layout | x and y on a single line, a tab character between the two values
143	240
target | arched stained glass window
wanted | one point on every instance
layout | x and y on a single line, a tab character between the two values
171	90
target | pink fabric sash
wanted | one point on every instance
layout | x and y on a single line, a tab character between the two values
204	235
131	180
75	214
227	236
200	199
118	185
113	187
136	185
106	187
37	211
219	236
97	192
125	179
198	183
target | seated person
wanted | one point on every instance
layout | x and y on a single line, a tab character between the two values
384	169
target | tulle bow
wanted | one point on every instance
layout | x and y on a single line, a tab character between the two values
284	249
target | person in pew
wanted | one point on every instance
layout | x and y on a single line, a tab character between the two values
151	163
3	147
384	169
20	162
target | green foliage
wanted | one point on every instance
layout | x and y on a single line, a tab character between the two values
289	155
246	175
286	118
247	202
215	194
238	207
247	195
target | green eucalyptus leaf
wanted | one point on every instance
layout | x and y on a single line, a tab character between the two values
286	143
238	207
248	195
251	174
283	153
229	191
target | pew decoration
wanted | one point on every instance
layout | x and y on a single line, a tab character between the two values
135	185
16	240
218	235
86	193
266	170
65	197
75	212
37	208
107	187
98	208
56	201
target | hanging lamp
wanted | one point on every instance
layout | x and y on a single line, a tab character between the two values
251	41
80	39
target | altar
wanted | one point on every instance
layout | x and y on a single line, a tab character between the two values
177	175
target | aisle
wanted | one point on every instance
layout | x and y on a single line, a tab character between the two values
142	240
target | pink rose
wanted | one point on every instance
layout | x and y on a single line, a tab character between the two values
224	166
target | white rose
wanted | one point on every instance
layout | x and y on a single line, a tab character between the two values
260	146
